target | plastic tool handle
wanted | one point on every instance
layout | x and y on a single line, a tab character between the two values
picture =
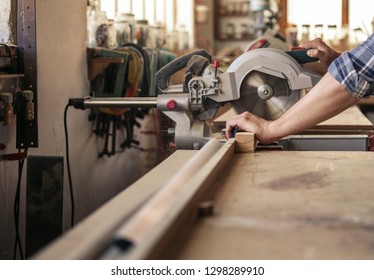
299	54
169	69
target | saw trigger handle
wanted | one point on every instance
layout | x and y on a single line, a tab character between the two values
174	66
300	55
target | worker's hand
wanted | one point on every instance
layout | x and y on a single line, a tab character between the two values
319	49
250	123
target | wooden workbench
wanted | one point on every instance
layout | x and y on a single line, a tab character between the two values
290	205
267	205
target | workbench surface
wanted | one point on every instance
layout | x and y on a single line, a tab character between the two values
289	205
267	205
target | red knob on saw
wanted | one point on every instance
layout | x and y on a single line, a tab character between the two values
216	63
171	104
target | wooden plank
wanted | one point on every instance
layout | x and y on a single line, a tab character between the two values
290	205
94	234
166	217
177	209
345	12
245	142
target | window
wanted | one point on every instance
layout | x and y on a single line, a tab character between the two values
153	11
306	15
361	15
315	12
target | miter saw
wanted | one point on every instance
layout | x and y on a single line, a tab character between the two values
265	81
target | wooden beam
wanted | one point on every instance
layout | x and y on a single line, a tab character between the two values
245	142
283	21
345	12
173	209
87	240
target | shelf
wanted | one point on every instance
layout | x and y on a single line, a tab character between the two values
235	39
233	20
99	59
234	15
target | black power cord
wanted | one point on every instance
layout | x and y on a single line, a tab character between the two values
18	243
68	166
16	213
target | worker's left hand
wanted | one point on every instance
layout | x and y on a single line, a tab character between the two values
250	123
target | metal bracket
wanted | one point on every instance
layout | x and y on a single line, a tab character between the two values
27	131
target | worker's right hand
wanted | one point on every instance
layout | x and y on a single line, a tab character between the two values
319	49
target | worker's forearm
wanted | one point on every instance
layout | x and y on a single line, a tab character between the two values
326	99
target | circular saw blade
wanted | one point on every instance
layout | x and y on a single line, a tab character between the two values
269	107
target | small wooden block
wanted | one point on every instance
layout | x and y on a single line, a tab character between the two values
245	142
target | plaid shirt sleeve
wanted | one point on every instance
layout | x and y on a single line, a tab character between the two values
355	69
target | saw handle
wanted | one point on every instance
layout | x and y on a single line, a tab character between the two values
299	54
174	66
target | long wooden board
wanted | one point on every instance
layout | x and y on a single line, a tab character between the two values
94	234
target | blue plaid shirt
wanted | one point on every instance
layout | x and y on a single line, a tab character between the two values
355	69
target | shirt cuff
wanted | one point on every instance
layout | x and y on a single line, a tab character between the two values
345	72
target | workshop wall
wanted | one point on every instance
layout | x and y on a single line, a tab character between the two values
62	73
5	21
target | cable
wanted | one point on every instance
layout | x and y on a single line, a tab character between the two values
18	243
68	166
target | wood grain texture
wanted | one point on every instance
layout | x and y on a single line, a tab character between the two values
290	205
245	142
267	205
171	211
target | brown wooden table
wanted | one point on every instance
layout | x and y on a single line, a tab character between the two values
290	205
266	205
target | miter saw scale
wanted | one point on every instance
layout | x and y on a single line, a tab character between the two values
266	82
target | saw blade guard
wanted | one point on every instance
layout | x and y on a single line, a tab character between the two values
269	82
